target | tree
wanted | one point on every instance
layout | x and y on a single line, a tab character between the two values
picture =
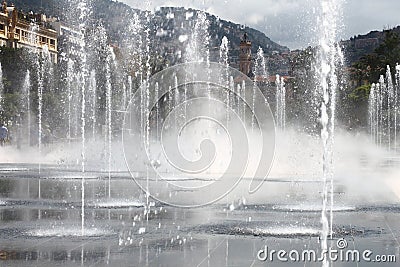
371	66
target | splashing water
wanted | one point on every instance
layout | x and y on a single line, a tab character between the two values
280	98
260	75
372	113
156	97
197	48
70	71
93	93
27	100
44	66
390	105
224	60
328	83
108	136
382	110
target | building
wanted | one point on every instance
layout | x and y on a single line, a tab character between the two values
245	55
371	43
18	31
70	40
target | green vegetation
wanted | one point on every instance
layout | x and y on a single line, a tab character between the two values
371	66
360	93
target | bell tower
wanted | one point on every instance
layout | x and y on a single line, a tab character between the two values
4	7
245	55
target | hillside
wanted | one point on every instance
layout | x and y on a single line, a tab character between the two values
114	16
361	45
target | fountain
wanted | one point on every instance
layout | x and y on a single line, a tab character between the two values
328	84
197	48
26	89
225	79
93	97
280	100
382	110
70	78
108	134
145	165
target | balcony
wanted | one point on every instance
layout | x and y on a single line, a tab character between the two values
13	36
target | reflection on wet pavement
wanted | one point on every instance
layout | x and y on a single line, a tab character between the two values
44	228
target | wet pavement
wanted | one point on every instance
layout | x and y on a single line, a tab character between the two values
40	225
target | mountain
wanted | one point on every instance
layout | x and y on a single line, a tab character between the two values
168	25
361	45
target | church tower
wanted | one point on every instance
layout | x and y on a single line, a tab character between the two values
245	55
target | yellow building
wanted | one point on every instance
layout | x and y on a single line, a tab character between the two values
16	31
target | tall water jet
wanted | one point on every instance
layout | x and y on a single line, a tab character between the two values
375	110
243	96
378	118
93	97
147	109
70	93
372	113
176	100
238	99
80	12
27	102
130	92
224	60
108	136
157	108
382	117
124	97
43	60
260	75
390	105
41	72
382	110
129	87
197	49
224	54
83	119
84	13
230	96
280	101
328	83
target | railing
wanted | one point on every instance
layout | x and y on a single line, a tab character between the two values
16	36
28	40
24	39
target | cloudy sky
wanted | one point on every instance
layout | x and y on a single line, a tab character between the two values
291	22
